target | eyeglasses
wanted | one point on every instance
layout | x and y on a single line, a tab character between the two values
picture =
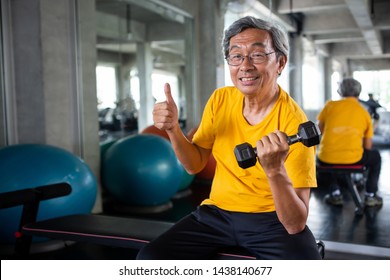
255	58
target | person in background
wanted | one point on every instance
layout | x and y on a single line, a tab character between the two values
262	209
347	132
373	106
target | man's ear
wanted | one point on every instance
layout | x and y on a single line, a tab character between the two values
282	63
282	60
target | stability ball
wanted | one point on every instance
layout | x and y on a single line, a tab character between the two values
208	172
186	179
33	165
155	131
142	170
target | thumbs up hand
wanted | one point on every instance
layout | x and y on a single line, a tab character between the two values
165	114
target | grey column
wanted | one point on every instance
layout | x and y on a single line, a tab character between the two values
53	65
145	68
295	70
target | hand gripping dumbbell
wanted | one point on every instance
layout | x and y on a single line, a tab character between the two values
308	133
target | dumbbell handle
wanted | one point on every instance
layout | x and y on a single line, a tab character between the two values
292	139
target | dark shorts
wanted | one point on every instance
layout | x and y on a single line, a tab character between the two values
209	229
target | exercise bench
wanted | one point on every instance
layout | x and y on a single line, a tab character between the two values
345	171
90	228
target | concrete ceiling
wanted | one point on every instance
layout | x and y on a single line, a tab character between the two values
357	31
121	24
353	31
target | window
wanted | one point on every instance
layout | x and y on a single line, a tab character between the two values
376	82
106	87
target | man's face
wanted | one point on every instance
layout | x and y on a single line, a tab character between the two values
251	78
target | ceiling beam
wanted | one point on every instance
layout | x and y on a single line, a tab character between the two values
161	8
338	21
260	8
337	37
307	6
360	11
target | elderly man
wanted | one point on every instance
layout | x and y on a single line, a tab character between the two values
347	133
264	208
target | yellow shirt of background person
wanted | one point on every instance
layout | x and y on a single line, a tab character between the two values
223	127
346	123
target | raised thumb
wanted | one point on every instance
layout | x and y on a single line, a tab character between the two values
168	94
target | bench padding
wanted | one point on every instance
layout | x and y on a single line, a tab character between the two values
99	229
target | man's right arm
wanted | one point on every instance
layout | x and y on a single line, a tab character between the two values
165	117
367	143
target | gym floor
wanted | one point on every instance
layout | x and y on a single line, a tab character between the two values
369	233
346	235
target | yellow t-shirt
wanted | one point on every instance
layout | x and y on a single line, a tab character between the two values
223	126
346	123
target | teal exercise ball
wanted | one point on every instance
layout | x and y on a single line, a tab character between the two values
33	165
142	170
186	179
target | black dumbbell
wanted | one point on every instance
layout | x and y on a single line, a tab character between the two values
308	133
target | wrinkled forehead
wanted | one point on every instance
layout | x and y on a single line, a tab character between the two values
255	45
251	38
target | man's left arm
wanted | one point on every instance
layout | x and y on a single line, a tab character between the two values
291	204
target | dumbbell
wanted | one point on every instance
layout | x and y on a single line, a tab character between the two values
308	134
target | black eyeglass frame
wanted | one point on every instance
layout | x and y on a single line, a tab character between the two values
264	55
